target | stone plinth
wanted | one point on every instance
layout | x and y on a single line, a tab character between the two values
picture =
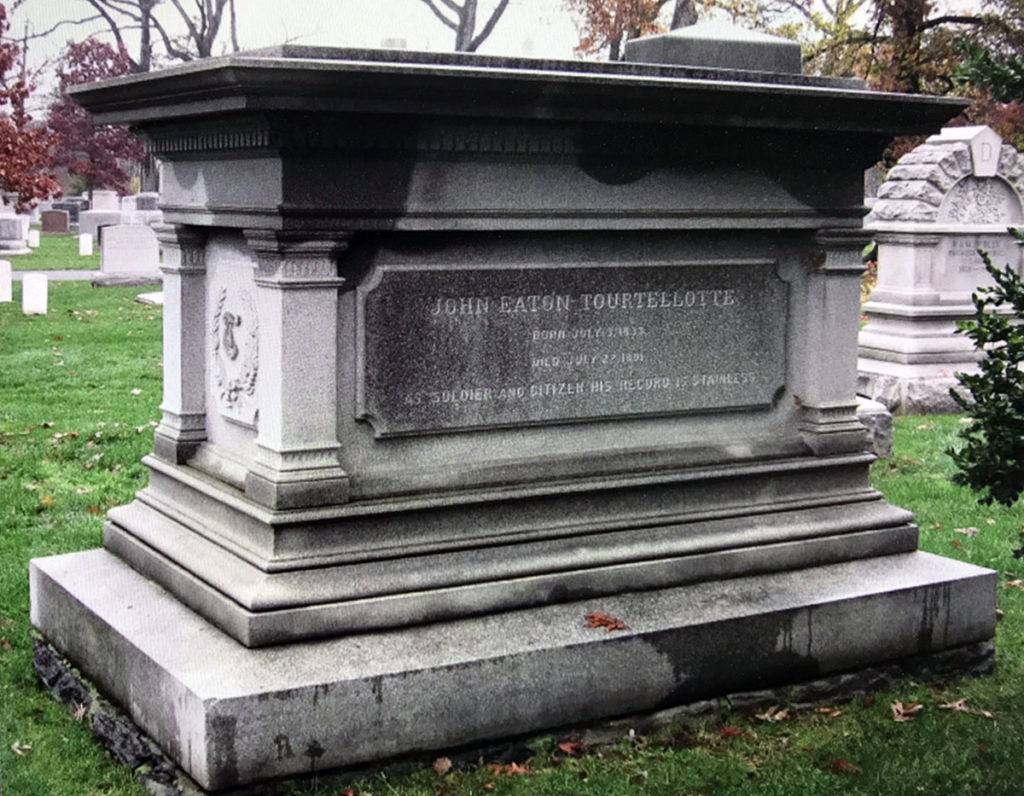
458	349
943	202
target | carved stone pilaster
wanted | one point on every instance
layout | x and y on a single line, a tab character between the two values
297	461
828	405
183	411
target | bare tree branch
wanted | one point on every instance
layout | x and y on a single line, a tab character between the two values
234	27
486	30
951	19
440	14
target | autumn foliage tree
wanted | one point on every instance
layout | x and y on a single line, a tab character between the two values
103	154
24	147
606	25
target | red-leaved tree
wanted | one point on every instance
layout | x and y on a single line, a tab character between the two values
103	155
24	147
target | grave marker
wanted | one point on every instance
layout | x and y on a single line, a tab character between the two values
129	254
6	277
34	289
55	222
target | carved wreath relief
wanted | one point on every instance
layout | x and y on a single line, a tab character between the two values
236	355
977	201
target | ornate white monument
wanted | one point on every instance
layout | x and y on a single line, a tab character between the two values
945	200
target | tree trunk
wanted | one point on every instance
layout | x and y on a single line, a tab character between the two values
467	24
685	14
615	53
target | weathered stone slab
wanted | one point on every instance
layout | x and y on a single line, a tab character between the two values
232	716
479	347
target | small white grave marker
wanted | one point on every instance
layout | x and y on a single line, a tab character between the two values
85	245
33	238
5	280
33	294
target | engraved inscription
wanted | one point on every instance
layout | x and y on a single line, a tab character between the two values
478	347
961	269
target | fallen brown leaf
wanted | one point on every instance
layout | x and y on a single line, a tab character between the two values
573	748
4	643
46	501
901	712
509	770
830	712
773	714
729	732
442	766
842	766
609	623
960	706
1014	584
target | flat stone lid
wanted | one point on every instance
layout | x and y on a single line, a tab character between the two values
320	80
719	45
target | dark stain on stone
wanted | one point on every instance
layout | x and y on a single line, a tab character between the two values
314	752
284	747
714	659
224	759
377	687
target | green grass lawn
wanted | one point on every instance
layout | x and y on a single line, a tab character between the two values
57	253
79	391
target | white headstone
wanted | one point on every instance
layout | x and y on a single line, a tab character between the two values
33	294
129	249
85	245
105	200
33	238
5	280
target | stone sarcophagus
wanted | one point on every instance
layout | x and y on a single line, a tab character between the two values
457	349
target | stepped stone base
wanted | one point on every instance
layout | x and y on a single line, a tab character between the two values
229	715
911	389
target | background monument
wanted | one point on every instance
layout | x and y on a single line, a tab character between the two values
941	203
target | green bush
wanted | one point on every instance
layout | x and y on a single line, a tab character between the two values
992	459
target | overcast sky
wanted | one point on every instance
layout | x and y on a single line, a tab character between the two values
538	28
528	27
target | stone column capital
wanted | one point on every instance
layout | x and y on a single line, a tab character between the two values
297	259
184	248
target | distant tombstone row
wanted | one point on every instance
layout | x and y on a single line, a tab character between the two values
105	209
